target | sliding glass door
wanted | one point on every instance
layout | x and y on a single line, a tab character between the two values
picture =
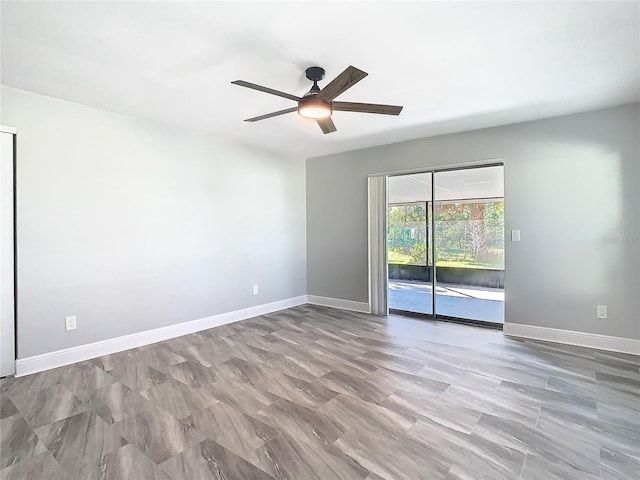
469	243
409	243
457	218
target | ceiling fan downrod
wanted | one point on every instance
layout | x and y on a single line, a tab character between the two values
315	74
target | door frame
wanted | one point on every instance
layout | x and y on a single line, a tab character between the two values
13	131
378	274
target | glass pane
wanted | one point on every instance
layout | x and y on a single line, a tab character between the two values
469	239
409	243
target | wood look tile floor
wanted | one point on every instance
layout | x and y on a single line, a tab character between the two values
318	393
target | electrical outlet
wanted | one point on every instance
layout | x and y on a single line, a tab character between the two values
601	311
70	323
255	289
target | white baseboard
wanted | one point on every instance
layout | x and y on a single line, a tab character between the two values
581	339
362	307
59	358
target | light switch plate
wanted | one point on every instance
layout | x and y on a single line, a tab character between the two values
515	235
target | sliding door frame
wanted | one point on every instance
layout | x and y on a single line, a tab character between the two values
431	212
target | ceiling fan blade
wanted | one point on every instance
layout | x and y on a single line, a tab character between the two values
367	108
272	114
260	88
345	80
327	125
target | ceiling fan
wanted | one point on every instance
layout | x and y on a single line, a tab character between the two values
319	104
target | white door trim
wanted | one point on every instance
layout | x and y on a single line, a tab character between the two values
6	129
7	248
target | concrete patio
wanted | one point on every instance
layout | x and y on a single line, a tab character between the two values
453	300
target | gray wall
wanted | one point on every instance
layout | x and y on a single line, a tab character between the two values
132	225
571	187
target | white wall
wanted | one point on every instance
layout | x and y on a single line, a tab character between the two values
571	186
132	225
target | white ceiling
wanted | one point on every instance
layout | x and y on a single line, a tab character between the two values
453	65
466	184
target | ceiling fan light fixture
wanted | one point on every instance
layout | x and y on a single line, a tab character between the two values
318	104
313	107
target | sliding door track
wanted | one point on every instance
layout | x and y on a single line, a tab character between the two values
446	318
